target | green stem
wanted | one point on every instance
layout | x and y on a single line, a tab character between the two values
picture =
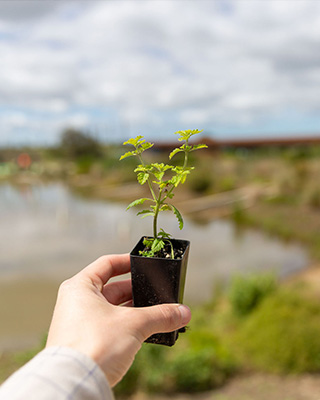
148	180
172	252
156	213
186	153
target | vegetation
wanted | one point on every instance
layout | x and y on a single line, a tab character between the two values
200	362
161	187
246	292
256	324
75	144
280	333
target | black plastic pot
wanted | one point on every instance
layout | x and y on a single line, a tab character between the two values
157	281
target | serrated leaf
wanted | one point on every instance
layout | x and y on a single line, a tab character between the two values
157	245
184	176
135	141
163	234
161	167
166	207
186	135
146	146
146	213
174	152
150	214
143	168
175	180
128	154
137	202
148	242
199	146
158	175
142	177
178	215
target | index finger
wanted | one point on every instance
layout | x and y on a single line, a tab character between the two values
106	267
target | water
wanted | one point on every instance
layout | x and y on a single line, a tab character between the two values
47	234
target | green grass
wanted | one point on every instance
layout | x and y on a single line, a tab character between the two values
282	335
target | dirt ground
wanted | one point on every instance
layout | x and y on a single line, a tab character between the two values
256	387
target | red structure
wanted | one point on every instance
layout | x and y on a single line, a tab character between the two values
24	161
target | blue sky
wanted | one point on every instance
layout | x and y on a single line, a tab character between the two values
120	68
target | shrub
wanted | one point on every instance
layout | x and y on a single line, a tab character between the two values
200	362
282	335
75	144
246	292
206	364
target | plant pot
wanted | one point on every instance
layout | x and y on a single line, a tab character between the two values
157	281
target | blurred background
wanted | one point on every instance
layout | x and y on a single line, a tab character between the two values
77	78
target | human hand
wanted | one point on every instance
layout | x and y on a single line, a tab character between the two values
88	317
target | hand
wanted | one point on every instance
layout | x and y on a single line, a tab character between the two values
88	317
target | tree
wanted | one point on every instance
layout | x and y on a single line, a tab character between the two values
76	144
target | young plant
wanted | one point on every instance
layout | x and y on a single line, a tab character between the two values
162	179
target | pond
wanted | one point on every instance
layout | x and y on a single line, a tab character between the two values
47	234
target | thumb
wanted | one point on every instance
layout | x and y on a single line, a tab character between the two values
163	318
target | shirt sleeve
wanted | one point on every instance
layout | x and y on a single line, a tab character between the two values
58	373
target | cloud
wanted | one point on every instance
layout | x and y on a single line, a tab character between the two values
25	10
219	65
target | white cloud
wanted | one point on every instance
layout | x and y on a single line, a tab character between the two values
160	63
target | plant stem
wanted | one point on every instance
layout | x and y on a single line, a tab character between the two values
156	213
149	182
186	153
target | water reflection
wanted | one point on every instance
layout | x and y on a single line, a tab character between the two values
47	231
47	234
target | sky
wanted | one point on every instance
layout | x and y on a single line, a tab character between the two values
121	68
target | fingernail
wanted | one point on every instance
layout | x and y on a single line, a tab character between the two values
185	313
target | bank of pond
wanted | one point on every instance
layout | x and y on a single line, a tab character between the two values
244	317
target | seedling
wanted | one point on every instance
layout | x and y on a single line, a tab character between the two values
162	179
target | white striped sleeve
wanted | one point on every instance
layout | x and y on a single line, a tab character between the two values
58	373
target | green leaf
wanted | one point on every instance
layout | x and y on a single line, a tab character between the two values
174	152
142	177
150	214
165	207
128	154
139	143
137	202
135	141
157	245
178	215
184	176
146	146
146	213
158	175
143	168
186	135
163	234
161	167
148	242
199	146
175	180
